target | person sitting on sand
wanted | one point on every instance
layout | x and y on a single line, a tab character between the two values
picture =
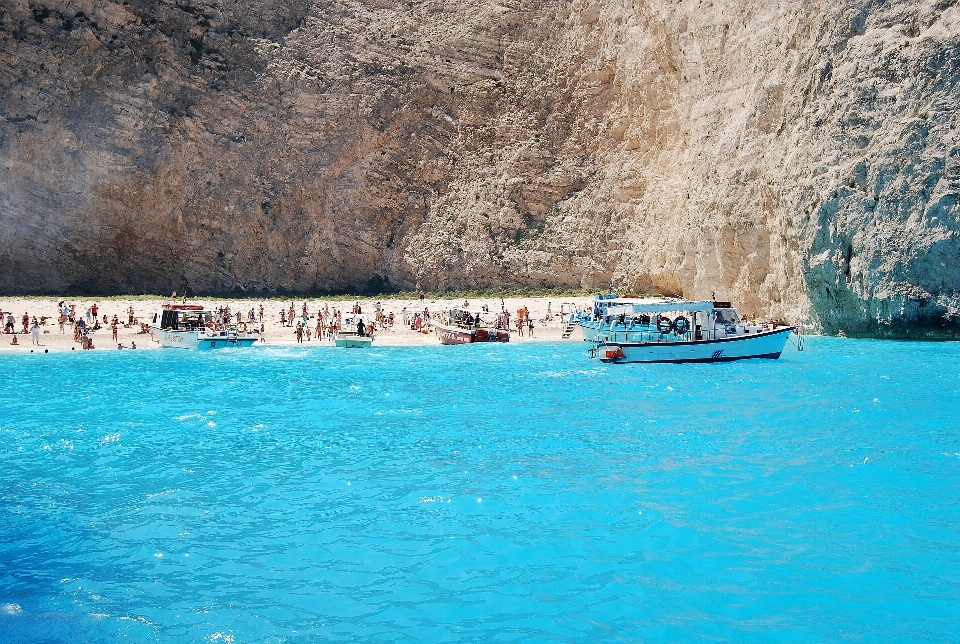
14	340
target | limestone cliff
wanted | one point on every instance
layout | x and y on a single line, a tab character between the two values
797	158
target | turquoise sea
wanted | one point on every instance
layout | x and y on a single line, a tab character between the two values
489	493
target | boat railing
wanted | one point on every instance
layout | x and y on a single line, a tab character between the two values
655	337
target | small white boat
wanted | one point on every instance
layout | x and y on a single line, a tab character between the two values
350	336
189	326
673	330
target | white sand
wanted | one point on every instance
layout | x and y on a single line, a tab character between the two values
276	334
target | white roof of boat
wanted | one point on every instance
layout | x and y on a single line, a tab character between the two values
655	305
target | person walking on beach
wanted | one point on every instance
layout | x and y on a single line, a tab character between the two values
529	326
299	333
261	313
263	335
35	332
26	322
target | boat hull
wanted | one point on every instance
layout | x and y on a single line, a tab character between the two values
202	340
456	335
767	344
353	342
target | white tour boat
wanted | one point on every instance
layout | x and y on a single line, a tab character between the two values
626	329
189	326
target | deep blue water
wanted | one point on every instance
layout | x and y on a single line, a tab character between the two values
489	493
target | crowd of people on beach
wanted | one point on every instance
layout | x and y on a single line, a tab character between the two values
323	323
81	326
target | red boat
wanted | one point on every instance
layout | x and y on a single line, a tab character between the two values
467	327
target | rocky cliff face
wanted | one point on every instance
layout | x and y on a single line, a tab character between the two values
799	159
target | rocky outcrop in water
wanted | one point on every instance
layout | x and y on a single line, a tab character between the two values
798	159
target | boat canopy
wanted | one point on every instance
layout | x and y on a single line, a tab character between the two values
631	306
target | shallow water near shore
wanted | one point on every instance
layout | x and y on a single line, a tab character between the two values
480	493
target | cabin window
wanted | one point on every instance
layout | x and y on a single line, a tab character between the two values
727	316
168	320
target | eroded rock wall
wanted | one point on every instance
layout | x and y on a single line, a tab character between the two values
799	159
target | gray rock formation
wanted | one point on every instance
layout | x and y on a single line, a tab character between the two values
799	159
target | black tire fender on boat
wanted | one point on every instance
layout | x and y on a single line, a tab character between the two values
664	325
681	325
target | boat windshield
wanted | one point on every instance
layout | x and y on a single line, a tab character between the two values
727	316
464	317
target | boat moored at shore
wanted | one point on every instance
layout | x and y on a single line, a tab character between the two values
465	326
353	334
190	326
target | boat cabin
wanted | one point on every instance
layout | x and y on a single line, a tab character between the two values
464	318
182	317
633	319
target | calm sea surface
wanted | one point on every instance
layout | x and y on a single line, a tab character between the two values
503	493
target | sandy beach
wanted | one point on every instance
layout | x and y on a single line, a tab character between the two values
547	312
